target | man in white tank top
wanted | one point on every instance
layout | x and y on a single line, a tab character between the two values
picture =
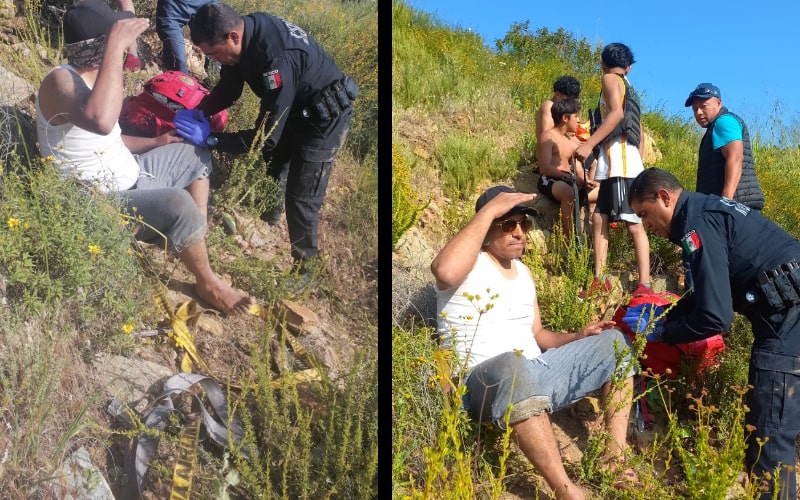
160	179
489	318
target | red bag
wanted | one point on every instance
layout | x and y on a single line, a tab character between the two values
150	113
661	356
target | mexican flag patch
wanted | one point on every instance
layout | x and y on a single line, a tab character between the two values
691	242
273	79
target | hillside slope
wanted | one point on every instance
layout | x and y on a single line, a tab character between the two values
462	120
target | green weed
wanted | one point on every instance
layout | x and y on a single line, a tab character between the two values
465	161
406	207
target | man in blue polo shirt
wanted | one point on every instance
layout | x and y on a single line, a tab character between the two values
725	164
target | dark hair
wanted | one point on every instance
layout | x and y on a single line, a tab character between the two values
568	86
564	107
212	23
617	55
646	185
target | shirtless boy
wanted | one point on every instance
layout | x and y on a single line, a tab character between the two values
554	155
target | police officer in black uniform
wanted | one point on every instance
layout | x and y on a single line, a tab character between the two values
305	108
743	262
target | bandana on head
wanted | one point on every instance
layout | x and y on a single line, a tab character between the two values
87	53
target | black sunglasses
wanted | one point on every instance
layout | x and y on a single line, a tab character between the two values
509	225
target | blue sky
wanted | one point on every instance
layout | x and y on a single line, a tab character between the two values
748	49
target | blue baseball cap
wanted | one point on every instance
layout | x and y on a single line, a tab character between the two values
703	91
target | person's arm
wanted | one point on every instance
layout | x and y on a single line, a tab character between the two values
275	107
616	112
734	154
139	145
727	137
227	90
98	110
712	310
132	59
454	262
544	120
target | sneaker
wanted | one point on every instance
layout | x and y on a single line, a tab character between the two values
642	291
597	288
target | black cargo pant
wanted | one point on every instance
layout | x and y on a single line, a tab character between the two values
301	163
774	401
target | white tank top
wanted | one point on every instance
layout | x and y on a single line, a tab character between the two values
506	326
102	160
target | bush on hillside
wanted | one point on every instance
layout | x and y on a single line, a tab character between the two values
405	200
543	56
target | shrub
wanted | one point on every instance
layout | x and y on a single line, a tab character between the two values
67	247
464	161
405	201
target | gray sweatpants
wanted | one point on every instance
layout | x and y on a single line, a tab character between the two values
159	199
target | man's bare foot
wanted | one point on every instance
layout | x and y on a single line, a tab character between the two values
224	297
570	492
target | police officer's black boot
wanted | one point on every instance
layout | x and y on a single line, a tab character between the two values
273	217
303	277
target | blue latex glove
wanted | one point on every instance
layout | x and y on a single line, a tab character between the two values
638	318
192	126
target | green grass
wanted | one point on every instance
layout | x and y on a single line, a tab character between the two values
465	161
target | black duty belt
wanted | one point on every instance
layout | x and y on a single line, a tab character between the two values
331	101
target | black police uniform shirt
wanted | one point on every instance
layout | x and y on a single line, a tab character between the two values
283	65
727	245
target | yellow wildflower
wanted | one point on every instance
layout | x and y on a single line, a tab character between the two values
127	328
13	223
94	249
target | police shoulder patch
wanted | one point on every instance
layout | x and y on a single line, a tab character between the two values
273	79
691	242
